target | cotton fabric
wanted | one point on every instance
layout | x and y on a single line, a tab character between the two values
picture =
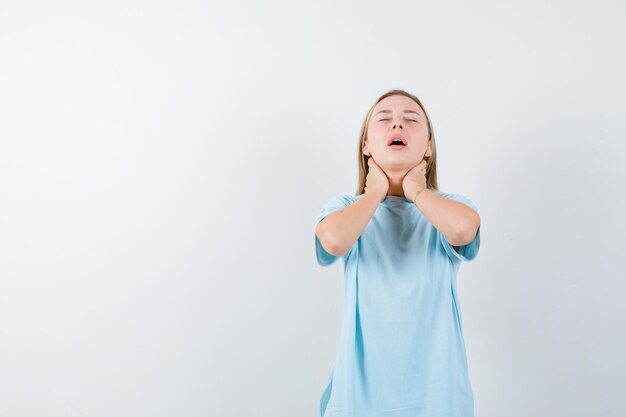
401	351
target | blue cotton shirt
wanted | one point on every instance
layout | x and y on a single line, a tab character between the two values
401	350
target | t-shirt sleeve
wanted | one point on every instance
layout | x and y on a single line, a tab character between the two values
466	252
325	258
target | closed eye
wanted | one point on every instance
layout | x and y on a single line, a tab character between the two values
410	120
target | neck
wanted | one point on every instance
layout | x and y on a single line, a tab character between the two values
395	182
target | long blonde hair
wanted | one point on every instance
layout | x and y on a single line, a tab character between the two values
431	165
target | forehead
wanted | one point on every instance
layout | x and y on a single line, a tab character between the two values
397	104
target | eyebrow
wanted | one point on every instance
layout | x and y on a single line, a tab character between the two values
389	111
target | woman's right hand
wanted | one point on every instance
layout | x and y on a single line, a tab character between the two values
376	180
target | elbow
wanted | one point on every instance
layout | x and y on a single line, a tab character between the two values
327	241
330	241
467	231
333	246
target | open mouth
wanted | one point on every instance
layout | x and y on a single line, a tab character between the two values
397	141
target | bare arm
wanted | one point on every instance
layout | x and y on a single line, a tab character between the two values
456	221
339	230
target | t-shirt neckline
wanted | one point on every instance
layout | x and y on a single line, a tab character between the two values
391	198
395	198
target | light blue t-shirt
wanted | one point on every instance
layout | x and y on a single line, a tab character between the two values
401	350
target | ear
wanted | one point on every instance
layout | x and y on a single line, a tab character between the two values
366	150
429	151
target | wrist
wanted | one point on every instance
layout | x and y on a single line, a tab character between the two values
379	193
418	192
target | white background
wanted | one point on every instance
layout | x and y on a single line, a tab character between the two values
162	163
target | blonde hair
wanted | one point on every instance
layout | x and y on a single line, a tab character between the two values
431	165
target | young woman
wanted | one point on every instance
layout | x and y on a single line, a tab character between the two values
401	351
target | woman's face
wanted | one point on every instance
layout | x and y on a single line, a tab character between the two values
397	115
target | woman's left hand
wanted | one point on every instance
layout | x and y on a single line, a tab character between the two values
414	180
